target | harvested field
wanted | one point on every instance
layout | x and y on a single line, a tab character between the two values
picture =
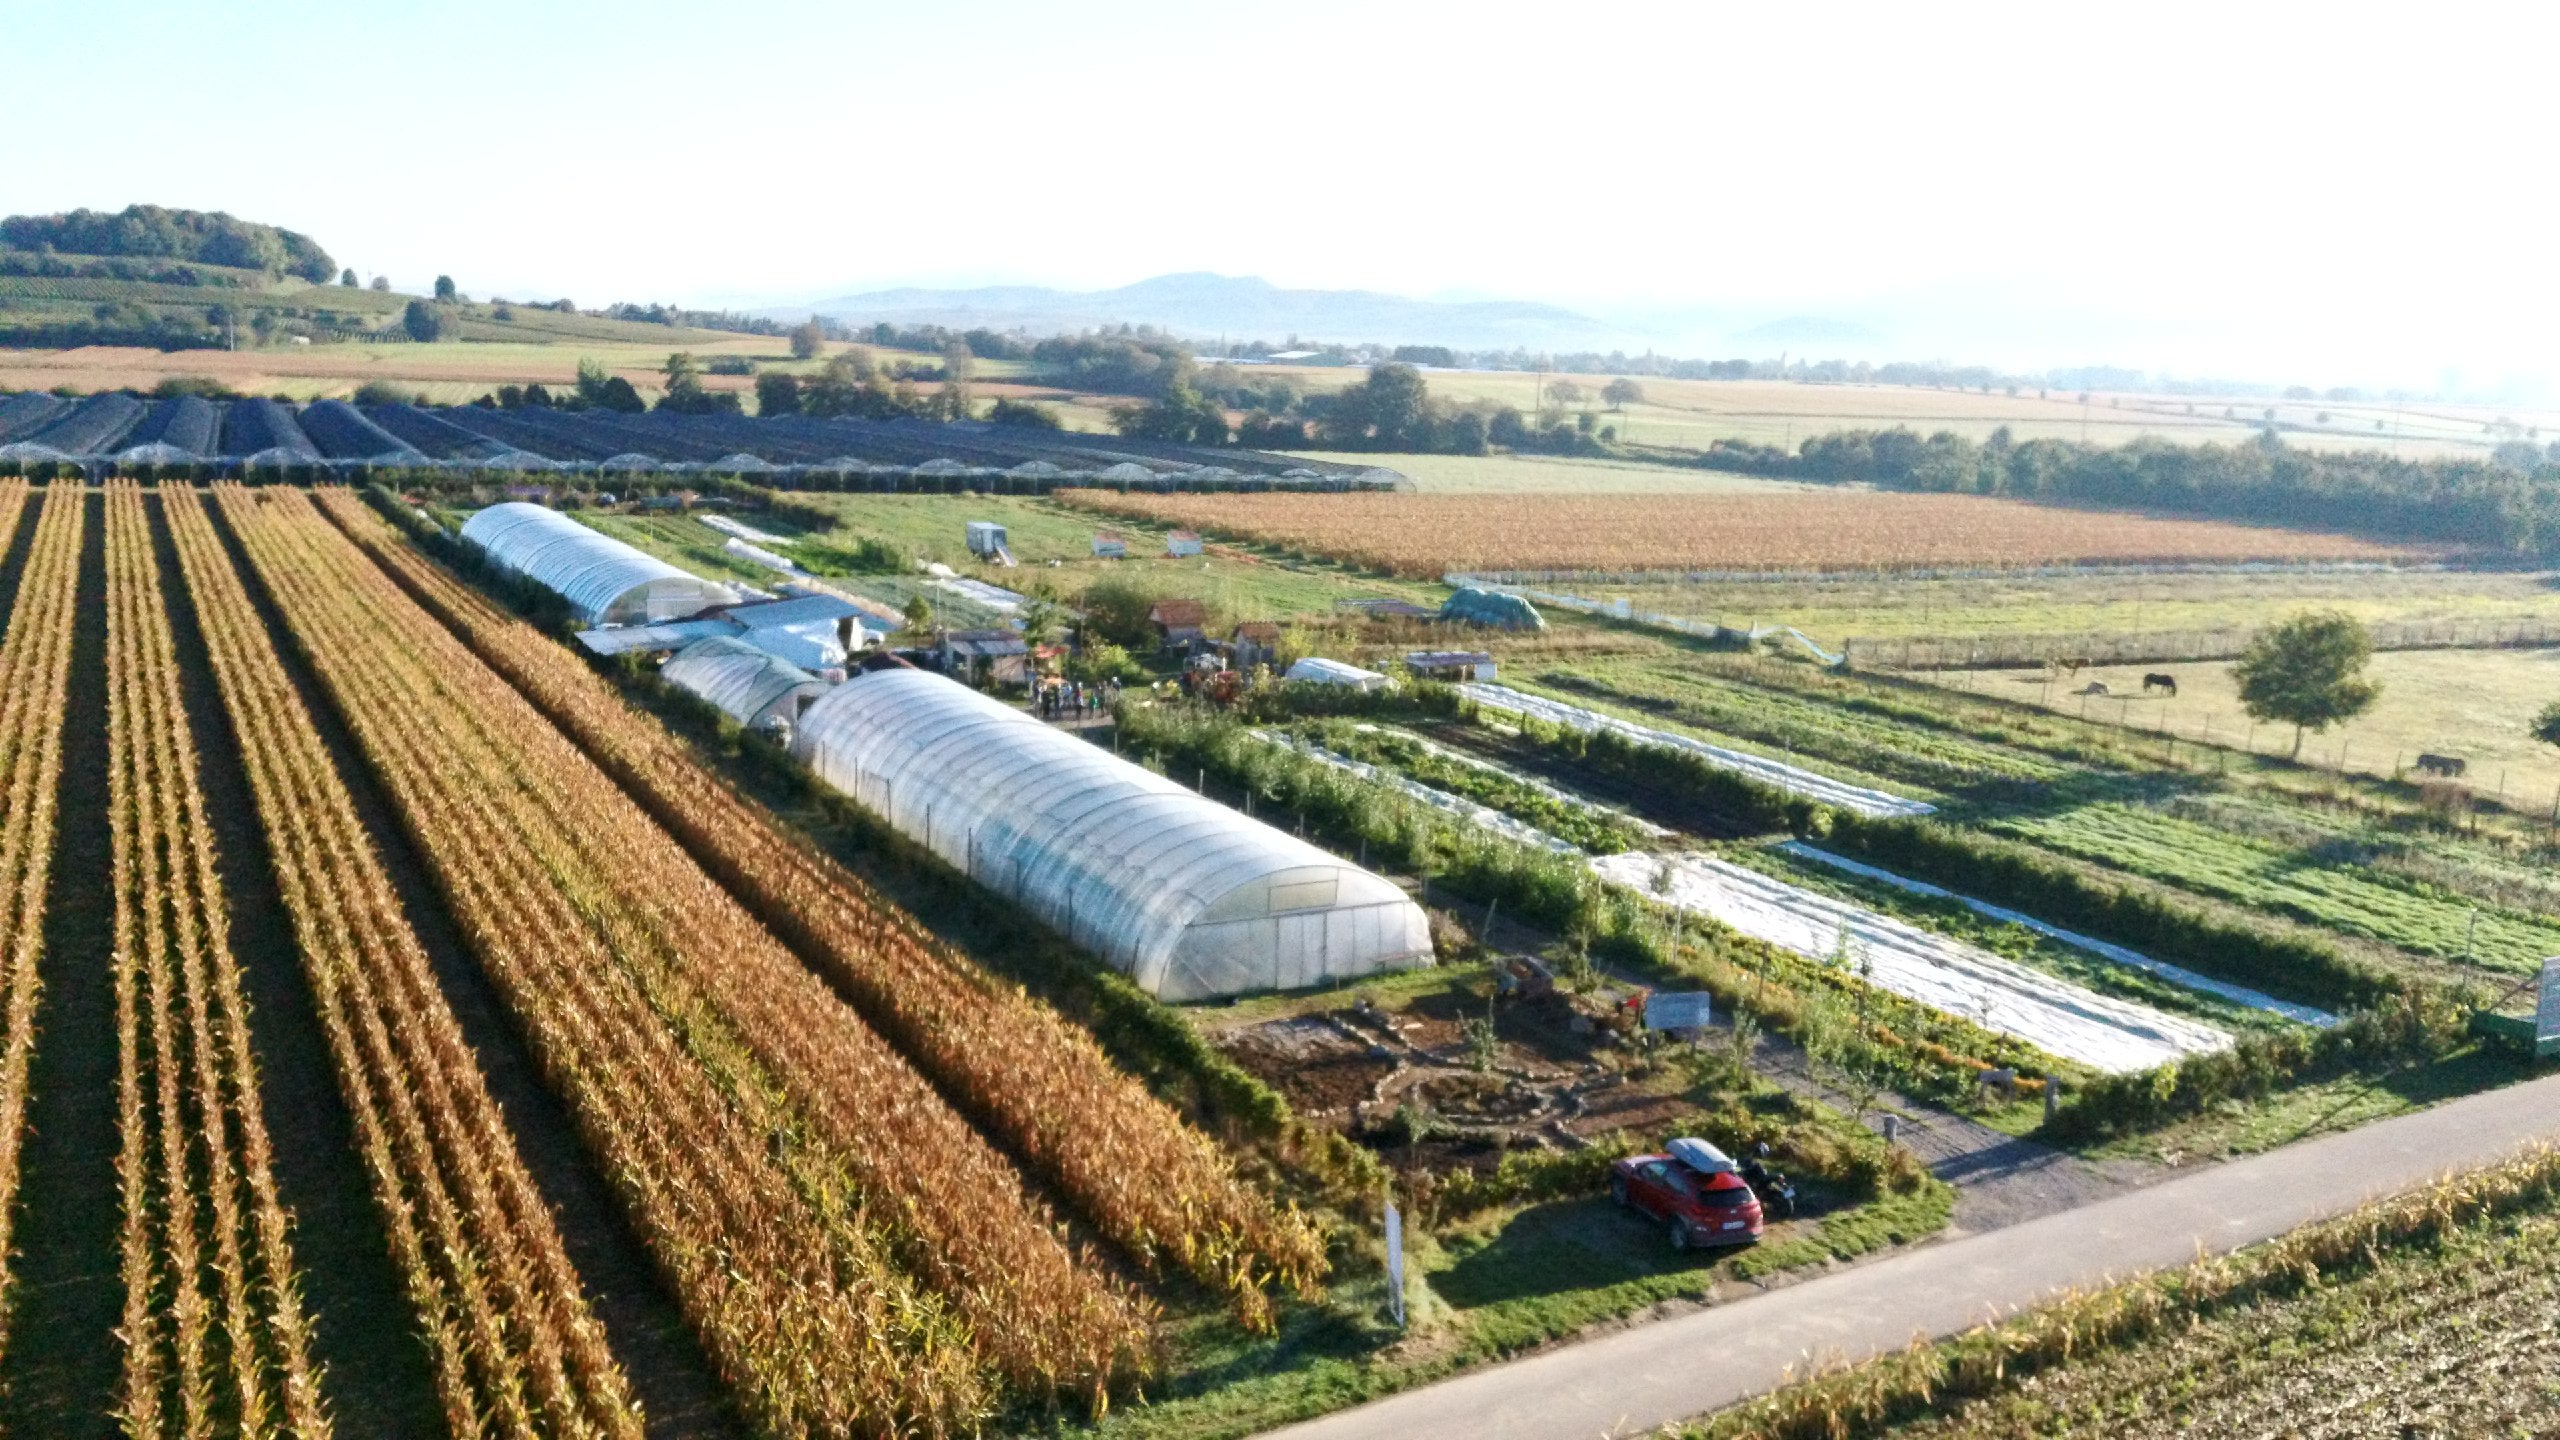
1430	535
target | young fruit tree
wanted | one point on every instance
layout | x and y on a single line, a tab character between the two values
2307	672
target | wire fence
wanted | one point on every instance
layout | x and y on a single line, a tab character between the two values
2146	647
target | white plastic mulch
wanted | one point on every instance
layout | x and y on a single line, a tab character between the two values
2052	1014
1480	815
2131	959
744	531
1791	778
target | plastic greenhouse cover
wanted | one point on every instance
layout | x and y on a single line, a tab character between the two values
597	574
1125	862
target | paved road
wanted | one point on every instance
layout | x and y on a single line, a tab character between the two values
1635	1380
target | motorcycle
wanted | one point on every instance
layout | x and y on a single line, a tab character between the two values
1777	1193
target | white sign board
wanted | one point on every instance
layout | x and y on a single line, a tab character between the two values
1395	1261
1679	1010
2546	1016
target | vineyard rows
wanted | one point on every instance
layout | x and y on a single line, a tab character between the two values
1429	536
214	1332
35	675
1161	1190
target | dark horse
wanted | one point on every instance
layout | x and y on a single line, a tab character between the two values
2158	681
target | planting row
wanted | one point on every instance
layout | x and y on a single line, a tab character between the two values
1156	1187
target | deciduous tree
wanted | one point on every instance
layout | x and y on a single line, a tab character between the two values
2307	672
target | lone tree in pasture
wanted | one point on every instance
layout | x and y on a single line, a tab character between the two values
2307	672
1564	392
347	277
807	340
2546	726
445	290
382	283
1621	393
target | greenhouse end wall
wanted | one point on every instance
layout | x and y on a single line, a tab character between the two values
1188	898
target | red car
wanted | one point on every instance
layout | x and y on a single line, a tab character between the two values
1695	1188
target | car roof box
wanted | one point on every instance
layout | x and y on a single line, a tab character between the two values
1699	1155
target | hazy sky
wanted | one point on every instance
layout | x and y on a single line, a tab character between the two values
2332	193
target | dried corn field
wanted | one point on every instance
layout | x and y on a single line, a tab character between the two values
1426	536
868	1189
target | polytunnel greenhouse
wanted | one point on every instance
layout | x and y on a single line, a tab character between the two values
1188	898
757	690
606	581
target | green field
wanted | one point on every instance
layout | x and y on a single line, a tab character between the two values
2407	914
2473	704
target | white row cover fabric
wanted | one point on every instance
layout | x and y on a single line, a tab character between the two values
608	582
1318	670
751	687
1188	898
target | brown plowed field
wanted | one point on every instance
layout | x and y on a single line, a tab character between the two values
1430	535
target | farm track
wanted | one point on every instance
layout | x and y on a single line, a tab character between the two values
214	1332
512	1347
57	1071
682	1033
1037	1083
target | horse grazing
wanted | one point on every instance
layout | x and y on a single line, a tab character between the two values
2094	687
2157	681
2446	766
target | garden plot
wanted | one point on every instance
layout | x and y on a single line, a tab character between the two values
2131	959
1790	778
1484	816
2055	1015
1525	781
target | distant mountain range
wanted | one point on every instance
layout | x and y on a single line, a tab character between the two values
1206	307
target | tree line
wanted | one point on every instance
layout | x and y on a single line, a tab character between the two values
1391	409
2507	503
157	233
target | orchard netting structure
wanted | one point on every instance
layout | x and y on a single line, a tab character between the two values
606	581
1188	898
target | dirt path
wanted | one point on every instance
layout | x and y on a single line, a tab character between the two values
2000	1179
1633	1381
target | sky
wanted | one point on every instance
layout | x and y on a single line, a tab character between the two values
2335	194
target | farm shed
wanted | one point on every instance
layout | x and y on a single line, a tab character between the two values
1316	670
1179	622
1256	642
1001	655
1110	545
606	581
985	537
1492	608
1186	897
1180	543
753	688
1451	665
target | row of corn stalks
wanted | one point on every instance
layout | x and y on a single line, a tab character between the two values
214	1333
514	1349
855	1255
1875	1396
1040	1085
35	674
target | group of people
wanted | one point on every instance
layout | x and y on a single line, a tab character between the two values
1074	699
